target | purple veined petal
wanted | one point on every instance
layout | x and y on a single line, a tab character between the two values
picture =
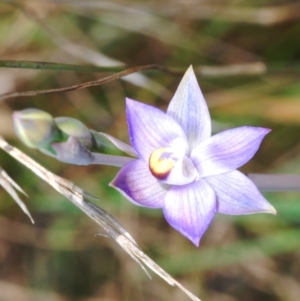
227	150
188	107
72	152
237	195
151	128
138	185
190	209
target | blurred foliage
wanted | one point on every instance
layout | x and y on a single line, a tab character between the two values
240	258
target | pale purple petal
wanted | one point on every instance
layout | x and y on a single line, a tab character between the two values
188	107
227	150
150	128
138	185
237	195
190	209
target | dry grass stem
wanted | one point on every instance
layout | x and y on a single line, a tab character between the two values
11	187
79	198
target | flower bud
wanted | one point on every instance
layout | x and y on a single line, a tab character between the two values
74	128
72	152
35	128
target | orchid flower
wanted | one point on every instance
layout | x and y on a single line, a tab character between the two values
184	170
175	163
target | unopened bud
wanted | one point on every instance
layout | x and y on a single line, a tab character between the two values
73	152
75	128
35	128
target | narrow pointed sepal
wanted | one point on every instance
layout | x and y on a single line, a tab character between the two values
227	150
190	209
147	121
188	107
137	184
107	144
237	195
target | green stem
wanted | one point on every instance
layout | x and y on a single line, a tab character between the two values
57	66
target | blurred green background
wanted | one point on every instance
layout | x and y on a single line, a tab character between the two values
247	258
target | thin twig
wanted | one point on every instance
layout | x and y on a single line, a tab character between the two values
243	69
79	86
78	197
208	71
